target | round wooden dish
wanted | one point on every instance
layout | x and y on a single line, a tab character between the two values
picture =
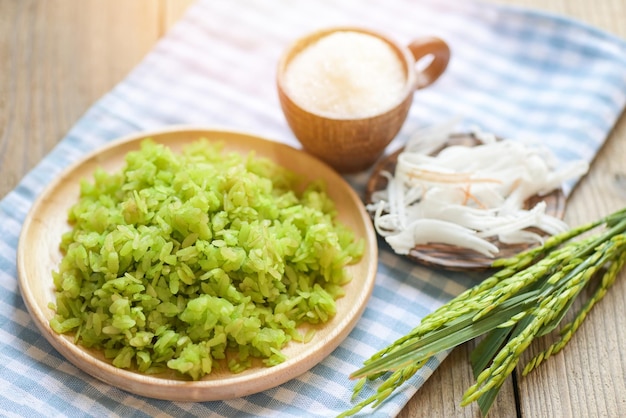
38	254
450	257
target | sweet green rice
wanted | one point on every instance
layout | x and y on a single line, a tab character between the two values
189	261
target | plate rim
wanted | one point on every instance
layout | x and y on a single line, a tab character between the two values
236	385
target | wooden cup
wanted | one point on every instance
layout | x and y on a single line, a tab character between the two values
353	144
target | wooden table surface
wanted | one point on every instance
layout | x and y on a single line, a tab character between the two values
58	57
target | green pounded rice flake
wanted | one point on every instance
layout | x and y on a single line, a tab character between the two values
181	260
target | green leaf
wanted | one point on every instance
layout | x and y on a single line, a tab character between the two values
486	401
487	349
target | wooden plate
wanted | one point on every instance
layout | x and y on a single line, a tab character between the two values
450	257
38	254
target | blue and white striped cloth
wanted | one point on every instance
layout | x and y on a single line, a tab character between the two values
514	72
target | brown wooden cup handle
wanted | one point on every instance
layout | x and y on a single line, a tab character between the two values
440	51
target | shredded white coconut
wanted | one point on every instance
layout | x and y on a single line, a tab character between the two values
465	195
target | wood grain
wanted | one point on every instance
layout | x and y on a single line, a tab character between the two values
45	88
56	59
